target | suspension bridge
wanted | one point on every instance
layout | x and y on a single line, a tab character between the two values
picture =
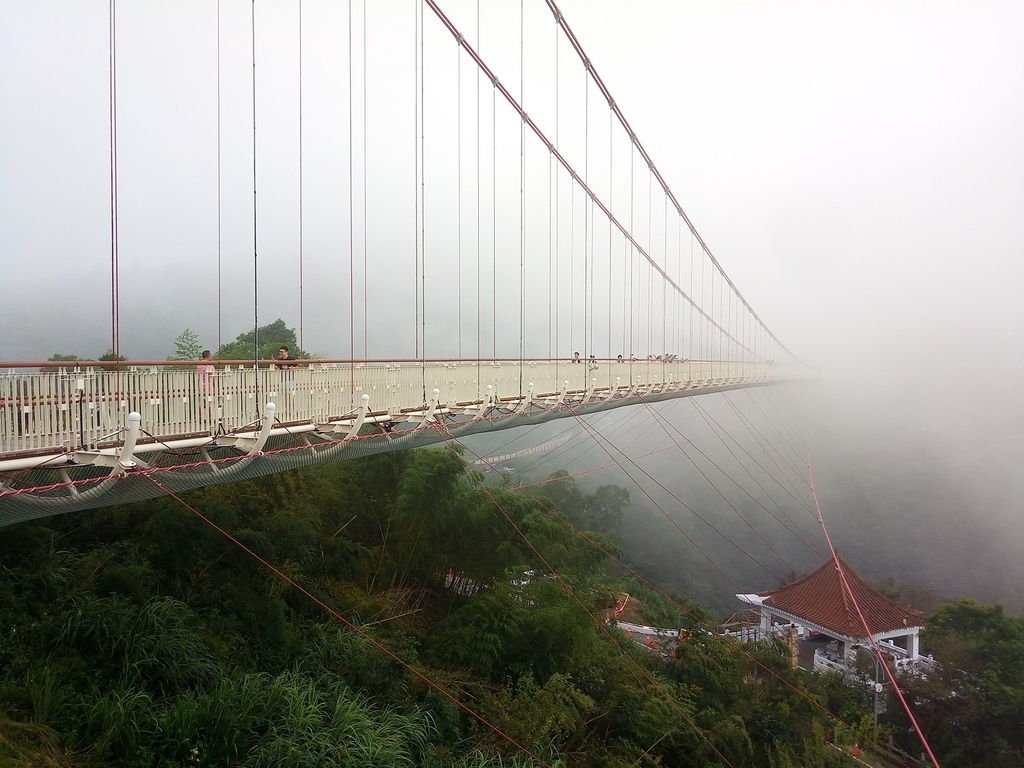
548	271
481	242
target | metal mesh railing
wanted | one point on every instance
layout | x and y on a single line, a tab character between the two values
65	409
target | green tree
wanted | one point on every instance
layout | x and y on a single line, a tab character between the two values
271	338
58	358
187	346
564	494
973	707
604	508
109	356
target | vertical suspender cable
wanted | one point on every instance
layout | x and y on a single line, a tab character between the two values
689	352
592	254
366	318
716	298
522	200
416	173
626	344
423	209
664	286
351	223
632	160
552	276
558	201
587	297
301	218
115	268
551	220
732	327
703	297
572	269
712	352
673	347
219	228
611	205
650	272
494	221
458	165
255	210
479	315
724	317
711	329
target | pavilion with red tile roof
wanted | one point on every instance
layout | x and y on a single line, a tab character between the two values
821	603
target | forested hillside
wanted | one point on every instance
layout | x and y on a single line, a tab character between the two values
306	622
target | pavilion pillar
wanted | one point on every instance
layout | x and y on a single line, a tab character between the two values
848	652
913	645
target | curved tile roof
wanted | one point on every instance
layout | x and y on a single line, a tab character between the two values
820	598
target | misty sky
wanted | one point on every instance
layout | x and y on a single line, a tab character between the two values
856	168
858	171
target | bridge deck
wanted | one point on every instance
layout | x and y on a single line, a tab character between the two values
80	438
53	411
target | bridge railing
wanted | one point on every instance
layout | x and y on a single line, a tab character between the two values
63	408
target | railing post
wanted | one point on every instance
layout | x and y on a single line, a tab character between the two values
562	394
432	405
364	408
269	413
126	459
590	390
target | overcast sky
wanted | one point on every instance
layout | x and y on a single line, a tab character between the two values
856	167
857	170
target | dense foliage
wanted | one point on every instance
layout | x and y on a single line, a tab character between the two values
270	337
974	706
139	636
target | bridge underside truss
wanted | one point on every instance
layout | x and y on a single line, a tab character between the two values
141	466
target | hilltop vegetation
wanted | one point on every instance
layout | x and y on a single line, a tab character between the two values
140	636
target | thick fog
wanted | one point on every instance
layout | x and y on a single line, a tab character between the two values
857	169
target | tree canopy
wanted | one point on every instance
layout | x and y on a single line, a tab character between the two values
271	338
138	636
187	346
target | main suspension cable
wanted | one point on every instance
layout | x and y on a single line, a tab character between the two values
513	102
571	36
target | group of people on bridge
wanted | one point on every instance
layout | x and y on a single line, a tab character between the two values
207	371
592	360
